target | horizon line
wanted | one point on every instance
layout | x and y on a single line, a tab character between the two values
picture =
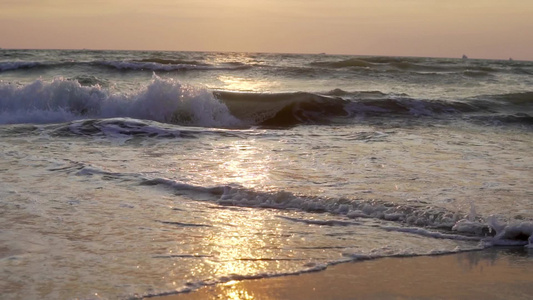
266	52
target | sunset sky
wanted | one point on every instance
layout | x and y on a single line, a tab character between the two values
436	28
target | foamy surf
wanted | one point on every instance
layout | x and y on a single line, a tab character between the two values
63	100
432	222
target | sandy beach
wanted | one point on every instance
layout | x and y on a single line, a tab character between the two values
490	274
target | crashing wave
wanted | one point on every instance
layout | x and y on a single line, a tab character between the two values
62	100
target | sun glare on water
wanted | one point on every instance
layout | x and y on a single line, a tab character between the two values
234	83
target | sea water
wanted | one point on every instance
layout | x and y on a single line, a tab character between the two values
127	174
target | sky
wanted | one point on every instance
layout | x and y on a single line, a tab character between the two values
497	29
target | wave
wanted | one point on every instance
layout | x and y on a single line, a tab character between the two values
120	127
124	129
419	215
509	108
339	106
283	109
523	98
155	64
352	62
423	65
166	65
15	65
34	65
62	100
358	94
169	101
427	221
476	73
505	119
165	61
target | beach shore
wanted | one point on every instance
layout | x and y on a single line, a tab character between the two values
498	273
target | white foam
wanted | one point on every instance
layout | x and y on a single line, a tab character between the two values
511	234
387	251
468	226
163	100
234	195
505	234
429	233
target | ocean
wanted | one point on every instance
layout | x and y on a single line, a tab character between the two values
126	174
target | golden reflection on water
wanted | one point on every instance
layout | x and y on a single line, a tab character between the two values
238	294
230	58
245	243
239	246
244	164
243	84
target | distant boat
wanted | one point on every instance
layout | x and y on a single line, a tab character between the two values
510	59
465	57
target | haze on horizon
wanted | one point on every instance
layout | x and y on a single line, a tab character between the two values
479	28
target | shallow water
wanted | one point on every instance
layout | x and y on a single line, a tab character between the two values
496	273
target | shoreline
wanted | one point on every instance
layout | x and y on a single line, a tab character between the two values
494	273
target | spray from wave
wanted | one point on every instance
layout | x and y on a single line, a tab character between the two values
62	100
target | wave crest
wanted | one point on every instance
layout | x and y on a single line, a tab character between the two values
283	109
156	64
62	100
15	65
409	64
166	65
352	62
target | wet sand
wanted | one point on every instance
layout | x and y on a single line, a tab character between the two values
498	273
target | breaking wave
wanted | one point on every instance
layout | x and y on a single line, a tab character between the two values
169	101
425	220
62	100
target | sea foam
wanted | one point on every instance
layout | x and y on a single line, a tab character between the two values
63	100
